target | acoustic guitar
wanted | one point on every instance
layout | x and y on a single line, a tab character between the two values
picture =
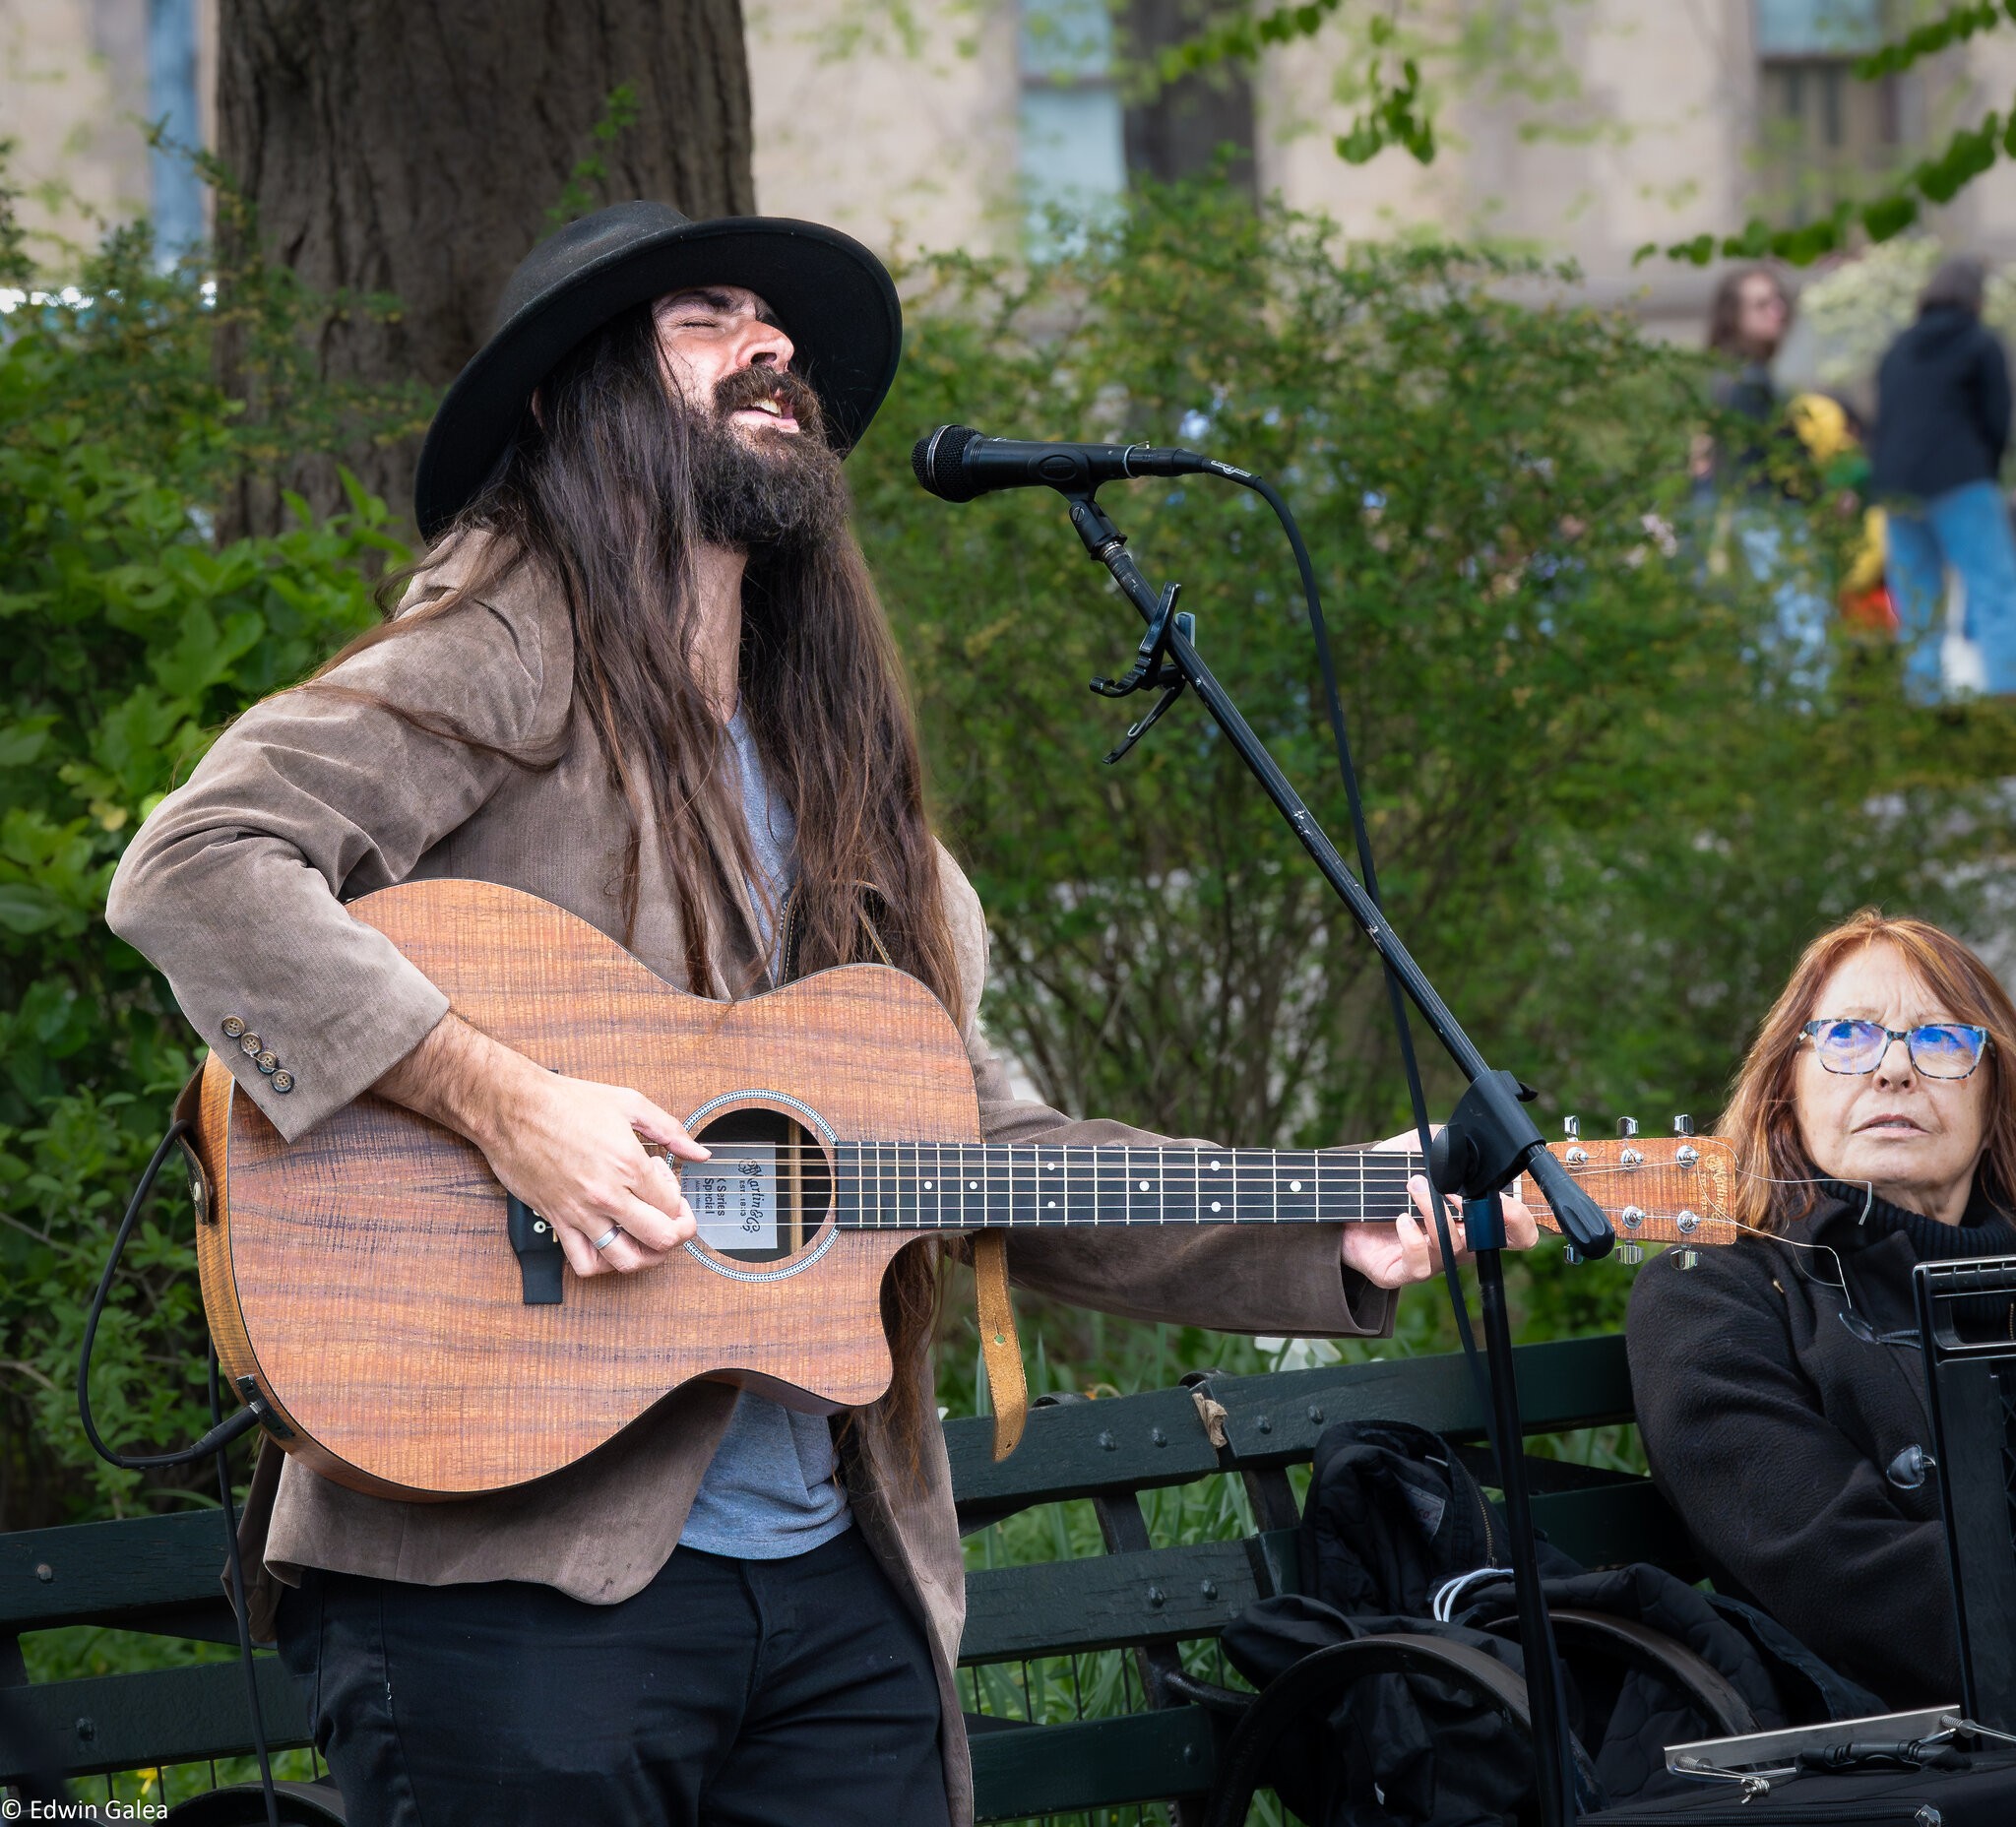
411	1331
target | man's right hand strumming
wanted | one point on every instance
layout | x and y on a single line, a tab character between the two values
572	1149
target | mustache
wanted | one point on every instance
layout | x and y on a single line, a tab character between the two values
749	386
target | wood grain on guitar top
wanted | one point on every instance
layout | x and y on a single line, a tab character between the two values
364	1276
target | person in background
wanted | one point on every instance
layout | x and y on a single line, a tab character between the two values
1746	326
1779	1386
1942	429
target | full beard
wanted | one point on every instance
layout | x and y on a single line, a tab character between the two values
765	491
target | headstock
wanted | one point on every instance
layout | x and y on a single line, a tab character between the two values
1654	1189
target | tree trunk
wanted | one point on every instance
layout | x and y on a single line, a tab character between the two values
417	150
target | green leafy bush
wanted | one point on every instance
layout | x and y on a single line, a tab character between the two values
128	636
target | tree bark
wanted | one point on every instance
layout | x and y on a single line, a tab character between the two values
417	148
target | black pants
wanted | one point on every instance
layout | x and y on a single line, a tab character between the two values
736	1693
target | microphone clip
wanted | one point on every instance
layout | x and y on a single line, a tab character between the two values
1150	667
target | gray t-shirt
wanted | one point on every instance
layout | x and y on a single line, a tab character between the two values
770	1490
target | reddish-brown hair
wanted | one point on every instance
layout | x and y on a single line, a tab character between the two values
1761	1121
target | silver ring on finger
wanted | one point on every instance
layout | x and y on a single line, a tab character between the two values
607	1237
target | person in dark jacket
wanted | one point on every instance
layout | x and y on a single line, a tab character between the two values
1942	429
1778	1390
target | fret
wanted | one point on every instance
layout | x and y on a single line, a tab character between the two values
1294	1186
1052	1192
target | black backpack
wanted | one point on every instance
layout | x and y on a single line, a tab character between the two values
1399	1539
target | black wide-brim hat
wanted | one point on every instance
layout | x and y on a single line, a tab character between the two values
834	298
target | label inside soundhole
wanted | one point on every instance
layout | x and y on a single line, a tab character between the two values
767	1189
734	1195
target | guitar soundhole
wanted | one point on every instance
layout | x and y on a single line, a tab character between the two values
767	1190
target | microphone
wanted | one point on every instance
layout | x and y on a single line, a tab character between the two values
955	462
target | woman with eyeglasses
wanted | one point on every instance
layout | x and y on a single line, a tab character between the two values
1779	1385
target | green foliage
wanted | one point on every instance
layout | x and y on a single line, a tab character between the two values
1953	26
130	637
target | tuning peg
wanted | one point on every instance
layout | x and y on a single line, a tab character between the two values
1571	1127
1631	1252
1683	1125
1627	1127
1685	1256
1570	1254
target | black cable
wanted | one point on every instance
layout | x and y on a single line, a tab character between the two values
241	1607
1570	1773
213	1443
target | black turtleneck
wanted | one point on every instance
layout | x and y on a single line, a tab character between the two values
1984	1230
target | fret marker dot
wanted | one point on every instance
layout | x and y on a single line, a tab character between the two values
1144	1185
927	1186
1294	1186
972	1186
1216	1207
1052	1166
1053	1204
1213	1166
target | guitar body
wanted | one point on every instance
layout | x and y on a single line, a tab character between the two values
363	1279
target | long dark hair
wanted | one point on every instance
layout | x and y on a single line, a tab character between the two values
1725	311
599	496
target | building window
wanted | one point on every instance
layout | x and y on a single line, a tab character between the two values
1073	143
1825	131
1189	127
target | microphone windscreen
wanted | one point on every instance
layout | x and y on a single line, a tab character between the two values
938	458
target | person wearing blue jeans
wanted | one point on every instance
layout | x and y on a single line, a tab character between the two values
1967	528
1942	429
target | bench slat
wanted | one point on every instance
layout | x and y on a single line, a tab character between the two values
1081	1448
96	1570
1277	1419
1077	1449
169	1715
1063	1606
1617	1523
1098	1763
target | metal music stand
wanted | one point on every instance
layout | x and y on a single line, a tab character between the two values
1972	1389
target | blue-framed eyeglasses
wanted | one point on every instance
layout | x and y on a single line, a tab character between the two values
1938	1049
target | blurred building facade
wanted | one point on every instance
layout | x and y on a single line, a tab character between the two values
953	123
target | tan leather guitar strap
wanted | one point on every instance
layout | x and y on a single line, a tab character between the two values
1000	1349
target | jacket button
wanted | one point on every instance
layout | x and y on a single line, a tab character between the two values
267	1062
234	1025
282	1082
251	1046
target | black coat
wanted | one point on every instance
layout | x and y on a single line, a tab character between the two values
1770	1425
1942	407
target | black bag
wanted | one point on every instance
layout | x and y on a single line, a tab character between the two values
1396	1537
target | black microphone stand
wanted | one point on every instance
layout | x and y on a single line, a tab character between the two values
1489	1140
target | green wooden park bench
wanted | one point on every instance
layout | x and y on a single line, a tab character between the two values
1040	1674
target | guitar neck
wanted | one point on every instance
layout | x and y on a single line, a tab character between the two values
976	1186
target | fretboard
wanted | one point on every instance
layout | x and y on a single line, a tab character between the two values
974	1185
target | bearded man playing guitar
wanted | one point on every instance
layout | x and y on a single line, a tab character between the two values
642	675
